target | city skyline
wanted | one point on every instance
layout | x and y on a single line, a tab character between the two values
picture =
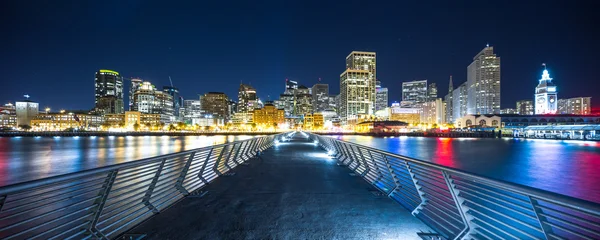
405	55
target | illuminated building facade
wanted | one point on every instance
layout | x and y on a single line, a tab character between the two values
269	115
407	115
26	110
302	101
177	100
483	82
136	83
357	85
247	99
459	101
63	120
215	104
147	99
109	92
192	110
433	112
525	107
8	116
320	97
432	92
381	97
578	106
546	101
414	93
449	103
314	121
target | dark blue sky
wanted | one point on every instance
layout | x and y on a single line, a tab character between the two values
51	49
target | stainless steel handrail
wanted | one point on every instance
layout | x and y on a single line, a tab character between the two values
462	205
107	201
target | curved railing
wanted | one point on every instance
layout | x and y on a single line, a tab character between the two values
461	205
107	201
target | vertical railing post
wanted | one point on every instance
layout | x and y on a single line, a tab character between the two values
243	155
100	202
367	168
249	148
216	166
392	173
418	187
201	172
379	174
237	152
355	158
541	219
459	205
340	151
229	156
348	155
148	195
181	178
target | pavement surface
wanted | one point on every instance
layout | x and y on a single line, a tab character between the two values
293	191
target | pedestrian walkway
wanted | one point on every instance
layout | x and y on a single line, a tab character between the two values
293	191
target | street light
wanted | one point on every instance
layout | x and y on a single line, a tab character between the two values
47	110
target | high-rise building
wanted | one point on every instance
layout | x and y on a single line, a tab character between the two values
433	112
135	85
432	92
525	107
290	85
414	93
381	97
459	101
148	100
483	81
26	110
546	101
215	104
192	110
268	116
231	107
357	85
577	105
177	99
448	100
320	97
302	101
247	99
109	92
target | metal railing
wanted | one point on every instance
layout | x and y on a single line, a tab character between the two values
461	205
105	202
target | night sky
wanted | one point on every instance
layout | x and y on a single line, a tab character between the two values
51	49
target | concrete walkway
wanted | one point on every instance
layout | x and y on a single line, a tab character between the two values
295	191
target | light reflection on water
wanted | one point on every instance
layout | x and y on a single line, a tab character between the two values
24	158
567	167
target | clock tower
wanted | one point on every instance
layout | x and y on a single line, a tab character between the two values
545	95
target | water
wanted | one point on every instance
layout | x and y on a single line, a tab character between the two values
26	158
568	167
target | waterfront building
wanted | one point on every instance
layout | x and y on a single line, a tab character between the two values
525	107
520	121
215	104
8	116
381	97
381	126
192	110
357	85
164	106
433	112
268	116
129	119
459	101
26	110
407	115
109	92
314	121
136	83
546	101
483	82
577	105
449	103
247	99
64	120
240	118
320	97
148	100
414	93
479	120
432	92
177	101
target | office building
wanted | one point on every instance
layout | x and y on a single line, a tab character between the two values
26	110
357	85
449	102
407	115
191	110
215	104
577	106
320	97
414	93
8	116
525	107
508	111
247	99
381	97
109	92
546	101
459	101
177	100
313	121
433	112
432	92
303	101
483	82
135	85
269	116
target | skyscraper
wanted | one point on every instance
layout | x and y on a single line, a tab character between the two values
414	93
483	82
302	101
147	99
525	107
381	98
135	85
215	104
247	99
177	99
109	92
546	101
449	102
432	92
577	105
459	101
357	85
320	97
